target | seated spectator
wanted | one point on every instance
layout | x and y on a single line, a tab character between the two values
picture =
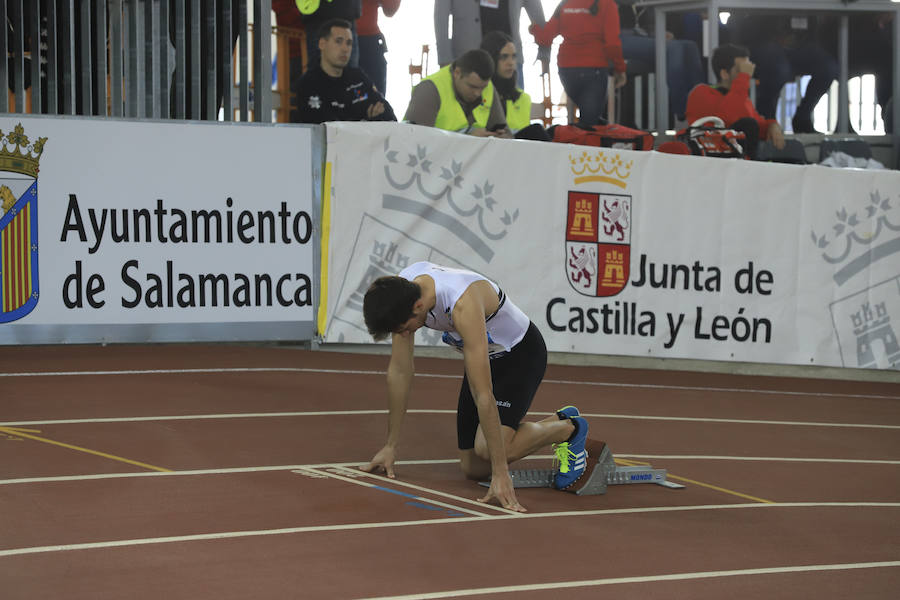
684	69
460	97
783	48
314	14
472	19
515	102
332	91
730	99
590	47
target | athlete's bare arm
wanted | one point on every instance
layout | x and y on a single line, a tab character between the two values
477	302
399	378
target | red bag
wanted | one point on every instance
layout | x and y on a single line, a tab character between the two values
718	142
606	136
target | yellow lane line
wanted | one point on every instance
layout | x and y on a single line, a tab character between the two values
15	431
637	463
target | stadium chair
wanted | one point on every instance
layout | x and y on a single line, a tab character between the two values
793	152
853	146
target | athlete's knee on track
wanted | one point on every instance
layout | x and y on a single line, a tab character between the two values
472	466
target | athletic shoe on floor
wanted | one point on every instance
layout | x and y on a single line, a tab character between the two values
571	455
567	412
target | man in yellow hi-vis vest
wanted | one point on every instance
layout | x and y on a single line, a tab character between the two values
460	97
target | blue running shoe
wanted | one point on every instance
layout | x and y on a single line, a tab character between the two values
567	412
572	456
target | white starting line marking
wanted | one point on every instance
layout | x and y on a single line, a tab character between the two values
353	479
437	376
431	491
382	525
643	579
430	411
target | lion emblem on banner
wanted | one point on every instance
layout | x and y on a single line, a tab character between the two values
598	242
19	289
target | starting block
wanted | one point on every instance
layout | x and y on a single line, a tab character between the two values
601	472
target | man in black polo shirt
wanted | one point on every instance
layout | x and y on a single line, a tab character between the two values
332	91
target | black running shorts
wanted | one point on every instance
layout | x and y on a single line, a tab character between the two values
515	377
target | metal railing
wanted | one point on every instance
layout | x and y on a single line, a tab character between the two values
154	59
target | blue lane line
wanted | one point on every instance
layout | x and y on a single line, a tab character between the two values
418	503
404	494
425	506
452	513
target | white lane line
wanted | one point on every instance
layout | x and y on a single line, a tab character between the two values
330	473
431	491
209	370
230	471
440	376
692	388
442	461
761	459
313	413
739	421
390	524
432	411
642	579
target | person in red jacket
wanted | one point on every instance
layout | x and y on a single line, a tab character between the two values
590	49
371	41
730	99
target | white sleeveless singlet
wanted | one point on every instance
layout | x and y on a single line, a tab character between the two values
505	328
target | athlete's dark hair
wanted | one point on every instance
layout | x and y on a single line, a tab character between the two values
475	61
327	26
723	58
388	304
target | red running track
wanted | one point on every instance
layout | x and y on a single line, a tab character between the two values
228	472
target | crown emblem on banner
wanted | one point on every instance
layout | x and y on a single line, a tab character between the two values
600	165
858	238
477	213
22	158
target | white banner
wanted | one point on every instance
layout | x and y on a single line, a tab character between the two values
625	253
154	223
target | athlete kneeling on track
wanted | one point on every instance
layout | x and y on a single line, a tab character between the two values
505	359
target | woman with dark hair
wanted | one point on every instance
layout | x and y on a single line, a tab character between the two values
515	102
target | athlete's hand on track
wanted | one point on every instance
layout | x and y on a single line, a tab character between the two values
503	491
384	460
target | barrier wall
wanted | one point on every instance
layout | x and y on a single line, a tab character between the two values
619	252
157	231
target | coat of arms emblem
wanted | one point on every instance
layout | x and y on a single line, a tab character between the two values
19	289
598	242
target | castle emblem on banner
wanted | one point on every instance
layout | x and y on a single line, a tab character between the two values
598	242
862	239
19	290
867	326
